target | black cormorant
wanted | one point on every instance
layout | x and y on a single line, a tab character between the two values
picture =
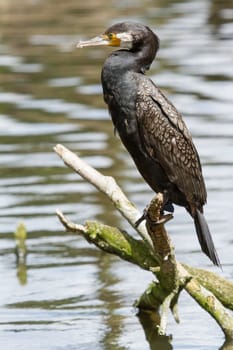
150	127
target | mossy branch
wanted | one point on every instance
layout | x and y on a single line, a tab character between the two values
154	253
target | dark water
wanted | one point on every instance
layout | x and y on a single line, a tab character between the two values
71	296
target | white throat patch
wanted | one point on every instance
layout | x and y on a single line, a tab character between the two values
126	40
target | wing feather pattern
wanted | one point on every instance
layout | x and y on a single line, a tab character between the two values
168	141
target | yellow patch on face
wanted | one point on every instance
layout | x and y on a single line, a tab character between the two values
113	39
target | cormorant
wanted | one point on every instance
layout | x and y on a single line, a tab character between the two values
150	127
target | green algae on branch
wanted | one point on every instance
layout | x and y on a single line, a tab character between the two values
114	241
120	243
221	288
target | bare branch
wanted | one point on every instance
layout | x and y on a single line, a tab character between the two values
108	186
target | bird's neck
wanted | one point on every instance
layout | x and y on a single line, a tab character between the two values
144	56
122	61
117	69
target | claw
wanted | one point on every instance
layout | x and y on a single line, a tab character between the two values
142	218
163	219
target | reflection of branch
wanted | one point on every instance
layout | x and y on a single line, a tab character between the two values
148	321
159	258
21	252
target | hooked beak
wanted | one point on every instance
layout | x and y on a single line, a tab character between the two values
101	40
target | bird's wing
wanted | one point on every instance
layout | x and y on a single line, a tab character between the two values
168	141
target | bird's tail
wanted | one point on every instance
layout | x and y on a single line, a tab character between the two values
205	239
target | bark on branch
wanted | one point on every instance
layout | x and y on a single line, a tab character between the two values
154	252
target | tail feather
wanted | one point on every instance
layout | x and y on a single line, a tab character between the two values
205	239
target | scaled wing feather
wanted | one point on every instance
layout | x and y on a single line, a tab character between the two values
168	141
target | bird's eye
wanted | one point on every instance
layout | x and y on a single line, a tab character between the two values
111	36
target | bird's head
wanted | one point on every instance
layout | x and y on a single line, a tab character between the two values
126	35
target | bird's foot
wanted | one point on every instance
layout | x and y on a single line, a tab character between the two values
162	219
168	207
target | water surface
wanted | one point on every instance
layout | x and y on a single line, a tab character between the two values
69	295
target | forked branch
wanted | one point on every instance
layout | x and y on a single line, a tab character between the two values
154	253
